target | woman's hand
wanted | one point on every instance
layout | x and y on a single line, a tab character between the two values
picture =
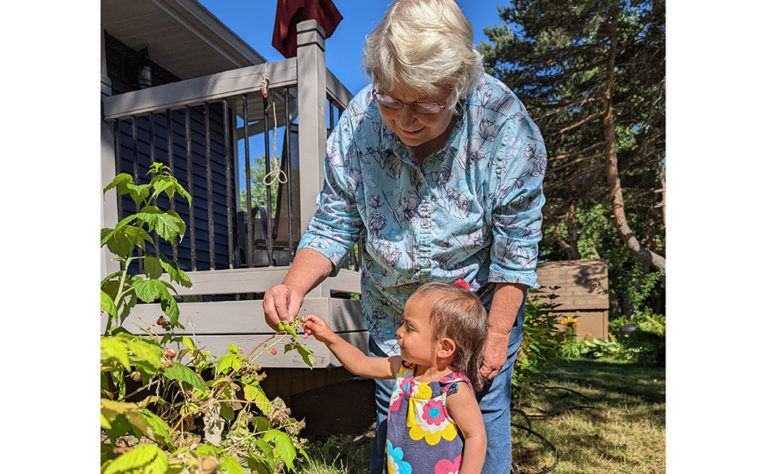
281	303
495	354
315	326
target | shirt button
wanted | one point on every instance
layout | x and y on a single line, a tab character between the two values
425	222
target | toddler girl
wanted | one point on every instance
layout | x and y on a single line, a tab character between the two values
434	422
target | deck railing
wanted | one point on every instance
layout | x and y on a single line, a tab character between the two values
209	131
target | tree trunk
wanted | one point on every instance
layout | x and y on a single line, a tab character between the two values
571	246
612	171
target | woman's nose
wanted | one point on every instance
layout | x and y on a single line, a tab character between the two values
406	116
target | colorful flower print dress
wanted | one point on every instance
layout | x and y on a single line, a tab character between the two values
422	438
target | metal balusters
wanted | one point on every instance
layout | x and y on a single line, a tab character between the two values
190	182
209	175
171	164
288	164
227	151
134	130
269	206
249	217
156	241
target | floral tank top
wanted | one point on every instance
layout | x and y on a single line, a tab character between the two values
422	438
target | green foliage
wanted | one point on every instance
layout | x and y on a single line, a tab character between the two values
166	405
597	349
258	189
648	341
542	341
554	56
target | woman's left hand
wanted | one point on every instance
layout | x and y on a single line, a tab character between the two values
495	354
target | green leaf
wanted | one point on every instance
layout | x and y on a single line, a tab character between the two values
261	424
152	267
231	466
111	409
169	226
148	290
306	354
227	411
254	393
147	352
160	429
140	456
174	272
184	374
107	304
284	446
120	181
229	361
113	348
239	429
170	307
206	450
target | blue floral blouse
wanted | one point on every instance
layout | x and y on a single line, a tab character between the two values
473	211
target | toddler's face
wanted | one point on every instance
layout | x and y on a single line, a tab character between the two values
415	335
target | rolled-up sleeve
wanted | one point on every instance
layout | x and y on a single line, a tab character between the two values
517	206
336	224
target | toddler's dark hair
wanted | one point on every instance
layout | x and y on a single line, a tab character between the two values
458	313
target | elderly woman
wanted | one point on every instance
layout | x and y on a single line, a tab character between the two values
439	166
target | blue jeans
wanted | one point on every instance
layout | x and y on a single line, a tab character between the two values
494	402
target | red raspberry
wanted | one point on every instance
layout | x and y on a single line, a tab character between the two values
273	352
161	321
170	353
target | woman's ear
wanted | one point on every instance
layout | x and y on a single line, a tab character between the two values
446	348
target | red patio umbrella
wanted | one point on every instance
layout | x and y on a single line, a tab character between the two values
292	12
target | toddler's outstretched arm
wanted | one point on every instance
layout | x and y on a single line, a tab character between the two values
354	360
464	409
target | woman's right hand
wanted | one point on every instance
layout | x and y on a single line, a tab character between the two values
281	303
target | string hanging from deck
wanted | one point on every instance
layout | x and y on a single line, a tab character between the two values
276	174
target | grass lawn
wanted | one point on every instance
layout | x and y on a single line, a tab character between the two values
623	432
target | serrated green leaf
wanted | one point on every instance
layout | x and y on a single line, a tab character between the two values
107	304
229	361
120	181
148	290
261	424
174	272
140	456
170	307
253	393
206	450
120	426
306	354
284	446
147	352
231	465
160	429
111	409
152	267
232	349
184	374
227	412
168	226
115	349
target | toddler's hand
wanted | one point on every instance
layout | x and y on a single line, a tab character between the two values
313	325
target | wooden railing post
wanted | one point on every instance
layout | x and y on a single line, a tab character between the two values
108	170
312	115
312	121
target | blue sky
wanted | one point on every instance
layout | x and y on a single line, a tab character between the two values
253	21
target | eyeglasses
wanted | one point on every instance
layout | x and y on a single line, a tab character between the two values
424	108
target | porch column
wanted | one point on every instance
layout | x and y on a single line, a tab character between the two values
108	170
312	121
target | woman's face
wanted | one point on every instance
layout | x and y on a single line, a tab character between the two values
412	128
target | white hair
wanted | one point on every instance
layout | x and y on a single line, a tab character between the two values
425	46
